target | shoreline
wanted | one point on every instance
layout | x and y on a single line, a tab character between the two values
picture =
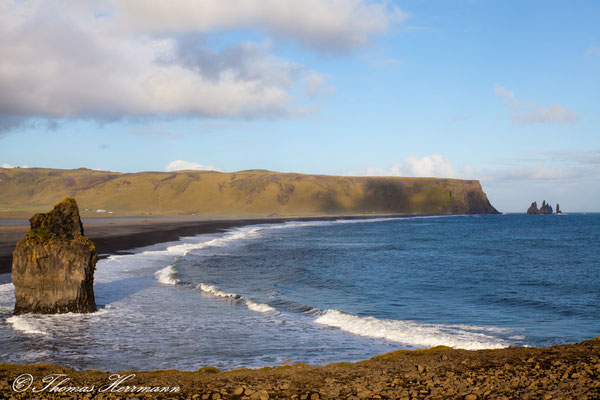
121	236
556	372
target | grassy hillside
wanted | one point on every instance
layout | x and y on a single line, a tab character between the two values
246	193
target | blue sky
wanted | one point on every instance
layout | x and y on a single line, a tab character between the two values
506	92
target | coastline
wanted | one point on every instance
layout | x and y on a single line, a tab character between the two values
120	236
561	371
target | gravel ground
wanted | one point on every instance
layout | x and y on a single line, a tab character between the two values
558	372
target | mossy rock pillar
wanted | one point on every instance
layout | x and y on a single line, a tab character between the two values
53	266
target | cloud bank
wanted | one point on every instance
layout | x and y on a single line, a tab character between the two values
6	165
326	25
535	113
435	165
109	60
180	165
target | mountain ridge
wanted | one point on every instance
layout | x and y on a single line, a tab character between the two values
250	193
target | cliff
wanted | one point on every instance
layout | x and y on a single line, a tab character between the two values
53	266
254	193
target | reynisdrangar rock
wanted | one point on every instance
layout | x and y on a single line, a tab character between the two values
53	266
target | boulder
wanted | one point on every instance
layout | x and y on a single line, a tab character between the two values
53	266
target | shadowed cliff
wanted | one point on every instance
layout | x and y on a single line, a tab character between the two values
247	193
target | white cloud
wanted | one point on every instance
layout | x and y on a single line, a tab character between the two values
6	165
329	25
179	165
534	173
551	113
435	165
535	113
316	85
593	51
108	60
507	95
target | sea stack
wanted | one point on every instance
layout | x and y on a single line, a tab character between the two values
558	209
53	266
533	208
546	208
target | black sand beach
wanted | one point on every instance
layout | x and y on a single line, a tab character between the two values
120	236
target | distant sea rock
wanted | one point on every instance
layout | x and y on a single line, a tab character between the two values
53	266
546	208
533	208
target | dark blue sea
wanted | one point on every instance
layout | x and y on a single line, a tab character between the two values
327	291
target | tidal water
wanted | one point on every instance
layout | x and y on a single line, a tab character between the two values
327	291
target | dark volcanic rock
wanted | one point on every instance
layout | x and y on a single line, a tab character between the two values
478	203
545	208
558	209
53	266
533	208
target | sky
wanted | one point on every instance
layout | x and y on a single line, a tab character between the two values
507	92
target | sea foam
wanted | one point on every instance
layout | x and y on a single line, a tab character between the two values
233	235
258	307
217	292
167	275
411	333
24	324
251	304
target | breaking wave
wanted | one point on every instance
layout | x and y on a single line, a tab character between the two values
251	304
167	275
23	324
412	333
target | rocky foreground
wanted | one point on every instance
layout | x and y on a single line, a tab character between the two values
558	372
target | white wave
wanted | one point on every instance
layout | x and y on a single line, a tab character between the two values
245	232
217	292
24	324
258	307
411	333
251	304
302	224
6	288
7	298
167	275
366	220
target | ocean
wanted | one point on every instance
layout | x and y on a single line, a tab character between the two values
327	291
